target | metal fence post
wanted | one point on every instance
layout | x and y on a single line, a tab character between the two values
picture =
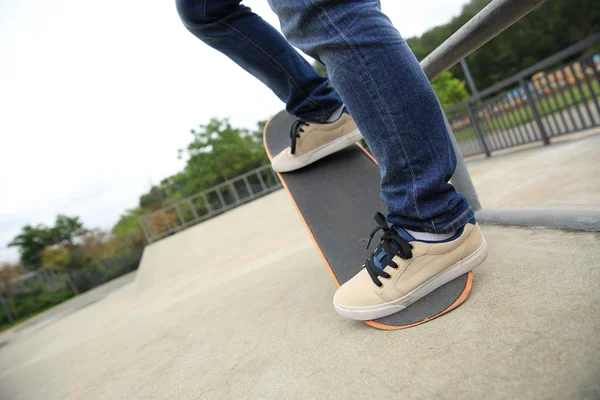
583	99
262	181
248	187
178	211
193	208
152	226
235	193
221	199
577	109
591	87
477	129
209	206
142	221
169	228
531	103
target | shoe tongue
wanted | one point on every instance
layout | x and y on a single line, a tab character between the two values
403	234
378	257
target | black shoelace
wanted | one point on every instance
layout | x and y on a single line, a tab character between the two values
392	244
295	132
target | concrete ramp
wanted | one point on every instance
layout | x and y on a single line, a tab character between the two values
224	248
241	307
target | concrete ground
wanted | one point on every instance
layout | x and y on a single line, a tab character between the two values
564	175
240	307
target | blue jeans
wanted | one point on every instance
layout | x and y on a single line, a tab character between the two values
376	75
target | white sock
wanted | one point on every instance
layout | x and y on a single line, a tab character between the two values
431	237
336	114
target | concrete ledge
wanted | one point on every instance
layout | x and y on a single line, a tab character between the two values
581	220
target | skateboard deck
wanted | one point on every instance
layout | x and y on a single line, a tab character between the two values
336	198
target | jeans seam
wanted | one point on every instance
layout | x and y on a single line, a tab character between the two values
380	98
204	9
290	77
458	219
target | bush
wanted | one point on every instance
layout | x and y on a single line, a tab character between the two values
36	297
34	302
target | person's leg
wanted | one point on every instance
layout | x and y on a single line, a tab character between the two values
391	101
256	46
393	104
260	49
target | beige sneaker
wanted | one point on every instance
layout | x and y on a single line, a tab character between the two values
312	141
410	271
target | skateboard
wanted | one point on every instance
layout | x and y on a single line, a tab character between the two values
336	198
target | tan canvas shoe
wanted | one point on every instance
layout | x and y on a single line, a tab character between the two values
400	272
312	141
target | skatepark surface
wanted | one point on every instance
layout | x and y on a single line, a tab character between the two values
562	176
240	306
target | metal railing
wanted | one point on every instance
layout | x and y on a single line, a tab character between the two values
534	105
209	203
488	23
483	27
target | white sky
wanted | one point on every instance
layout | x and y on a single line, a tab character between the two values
96	98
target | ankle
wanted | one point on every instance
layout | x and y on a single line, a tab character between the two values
430	237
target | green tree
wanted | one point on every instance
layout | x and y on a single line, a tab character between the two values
59	259
32	240
449	90
66	230
223	151
154	199
217	152
128	222
56	258
550	28
127	233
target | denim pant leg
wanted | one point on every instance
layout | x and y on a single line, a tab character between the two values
256	46
392	102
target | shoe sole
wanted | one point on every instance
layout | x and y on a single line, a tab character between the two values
392	307
318	153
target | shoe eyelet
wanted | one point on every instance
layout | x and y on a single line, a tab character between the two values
381	287
412	247
388	278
